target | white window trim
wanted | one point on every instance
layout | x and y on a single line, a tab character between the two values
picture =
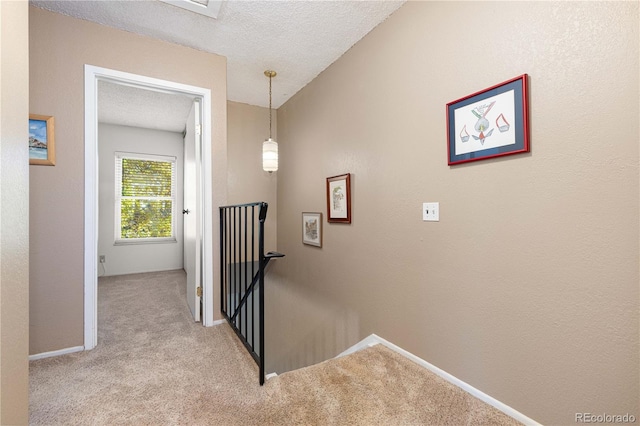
118	198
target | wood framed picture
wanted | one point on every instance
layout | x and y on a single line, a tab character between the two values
339	198
491	123
312	229
42	147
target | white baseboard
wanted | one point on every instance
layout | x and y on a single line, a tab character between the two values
218	322
271	376
373	340
56	353
367	342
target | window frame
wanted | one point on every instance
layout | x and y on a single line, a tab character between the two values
119	156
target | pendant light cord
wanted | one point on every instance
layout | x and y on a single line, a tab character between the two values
270	74
269	106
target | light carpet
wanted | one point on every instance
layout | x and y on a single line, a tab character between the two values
154	366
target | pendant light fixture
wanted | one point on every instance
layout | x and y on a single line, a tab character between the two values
270	147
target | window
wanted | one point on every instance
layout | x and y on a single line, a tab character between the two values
145	198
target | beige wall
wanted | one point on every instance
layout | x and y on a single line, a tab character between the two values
527	288
14	213
248	127
60	46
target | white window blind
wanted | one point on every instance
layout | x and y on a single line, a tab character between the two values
145	189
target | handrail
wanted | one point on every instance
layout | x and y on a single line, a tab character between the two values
237	289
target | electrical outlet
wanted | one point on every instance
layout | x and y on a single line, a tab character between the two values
102	258
431	212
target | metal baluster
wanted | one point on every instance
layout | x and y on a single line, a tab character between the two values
229	260
263	215
222	305
253	274
235	272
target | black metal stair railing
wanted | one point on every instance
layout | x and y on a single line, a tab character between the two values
242	265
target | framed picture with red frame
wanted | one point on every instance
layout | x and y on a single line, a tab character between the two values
490	123
339	199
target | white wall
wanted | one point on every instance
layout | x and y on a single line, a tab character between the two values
136	258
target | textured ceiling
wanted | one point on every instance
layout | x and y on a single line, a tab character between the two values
298	39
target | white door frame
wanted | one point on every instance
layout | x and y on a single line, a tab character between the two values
92	75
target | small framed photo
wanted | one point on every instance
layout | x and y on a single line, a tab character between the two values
339	198
491	123
42	148
312	229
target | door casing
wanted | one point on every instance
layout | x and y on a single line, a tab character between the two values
192	223
92	75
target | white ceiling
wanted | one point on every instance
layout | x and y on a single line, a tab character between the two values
297	39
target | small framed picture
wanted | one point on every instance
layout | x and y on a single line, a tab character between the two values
312	229
491	123
42	148
339	198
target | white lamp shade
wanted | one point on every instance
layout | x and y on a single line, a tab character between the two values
270	155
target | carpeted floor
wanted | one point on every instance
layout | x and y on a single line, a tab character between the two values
154	366
375	386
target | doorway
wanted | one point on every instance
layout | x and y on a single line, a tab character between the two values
93	75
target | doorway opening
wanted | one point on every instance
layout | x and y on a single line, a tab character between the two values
203	209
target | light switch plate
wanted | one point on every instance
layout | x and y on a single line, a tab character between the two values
431	212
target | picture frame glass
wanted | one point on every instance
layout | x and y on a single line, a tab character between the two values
38	139
483	135
338	199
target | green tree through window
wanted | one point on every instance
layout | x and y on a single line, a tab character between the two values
145	196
